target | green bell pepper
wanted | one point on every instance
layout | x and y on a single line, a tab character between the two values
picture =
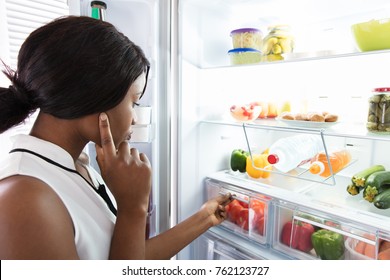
238	160
328	245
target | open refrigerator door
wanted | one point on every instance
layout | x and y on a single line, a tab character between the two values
146	23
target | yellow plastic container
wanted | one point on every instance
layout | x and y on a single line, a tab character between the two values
372	35
244	56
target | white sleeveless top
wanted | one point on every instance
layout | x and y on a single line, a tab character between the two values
92	219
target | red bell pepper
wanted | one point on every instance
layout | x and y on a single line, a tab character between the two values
297	235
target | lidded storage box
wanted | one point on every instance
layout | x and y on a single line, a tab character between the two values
378	119
247	38
244	56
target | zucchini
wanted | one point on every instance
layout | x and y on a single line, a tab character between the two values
375	183
359	178
382	200
352	189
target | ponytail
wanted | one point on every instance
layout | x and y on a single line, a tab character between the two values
15	104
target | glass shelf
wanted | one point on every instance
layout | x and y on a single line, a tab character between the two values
296	58
346	130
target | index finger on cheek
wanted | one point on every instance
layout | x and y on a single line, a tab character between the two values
106	140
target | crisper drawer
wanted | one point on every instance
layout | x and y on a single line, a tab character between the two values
210	246
247	213
308	234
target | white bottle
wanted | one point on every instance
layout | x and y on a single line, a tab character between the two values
291	152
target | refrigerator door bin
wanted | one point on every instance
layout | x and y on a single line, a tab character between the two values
142	133
309	234
247	214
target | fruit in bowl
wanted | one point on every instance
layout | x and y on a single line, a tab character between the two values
372	35
245	113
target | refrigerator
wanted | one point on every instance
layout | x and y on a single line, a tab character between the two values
191	135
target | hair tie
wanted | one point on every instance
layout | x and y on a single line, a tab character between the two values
22	95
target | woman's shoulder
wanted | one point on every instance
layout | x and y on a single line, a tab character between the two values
29	194
34	213
21	186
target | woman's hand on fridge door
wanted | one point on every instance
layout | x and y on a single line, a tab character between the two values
126	172
215	208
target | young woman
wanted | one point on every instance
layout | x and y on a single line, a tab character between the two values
85	78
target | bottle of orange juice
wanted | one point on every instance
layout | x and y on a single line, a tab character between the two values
338	160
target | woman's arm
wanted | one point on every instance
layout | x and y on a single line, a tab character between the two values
128	175
169	243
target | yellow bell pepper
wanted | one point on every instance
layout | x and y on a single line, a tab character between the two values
259	161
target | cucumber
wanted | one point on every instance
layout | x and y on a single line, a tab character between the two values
375	184
382	200
359	178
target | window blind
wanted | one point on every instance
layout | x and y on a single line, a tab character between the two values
24	16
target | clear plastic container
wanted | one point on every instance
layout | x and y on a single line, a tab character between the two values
291	152
378	119
338	160
244	56
352	251
247	38
247	214
278	41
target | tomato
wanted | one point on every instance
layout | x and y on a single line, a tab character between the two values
258	211
234	210
261	225
243	204
255	202
243	219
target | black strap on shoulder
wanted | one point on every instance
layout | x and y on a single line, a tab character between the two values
101	190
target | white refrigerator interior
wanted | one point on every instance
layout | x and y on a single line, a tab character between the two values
325	72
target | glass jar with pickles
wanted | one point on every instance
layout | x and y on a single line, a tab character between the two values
278	41
378	120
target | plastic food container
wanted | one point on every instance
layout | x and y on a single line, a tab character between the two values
245	113
278	41
372	35
378	119
247	214
351	254
247	38
244	56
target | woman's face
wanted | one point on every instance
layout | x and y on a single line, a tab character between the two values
123	115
